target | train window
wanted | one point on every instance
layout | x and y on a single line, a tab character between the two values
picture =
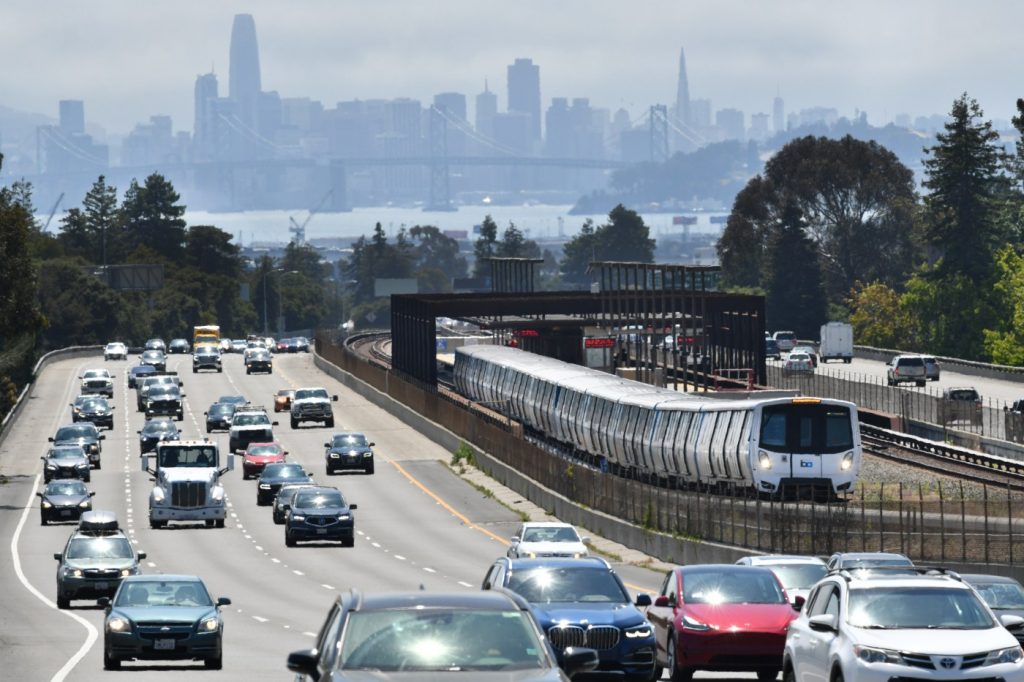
773	428
602	415
658	440
806	428
718	438
703	453
838	431
741	434
640	438
616	428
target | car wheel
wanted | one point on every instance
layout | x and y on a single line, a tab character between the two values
153	523
837	676
215	663
278	519
348	542
919	383
369	469
245	476
655	673
330	471
63	602
295	423
88	479
42	521
209	523
674	671
767	675
99	464
111	663
289	541
789	675
208	429
247	371
219	523
219	370
330	423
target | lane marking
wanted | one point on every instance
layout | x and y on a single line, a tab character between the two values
327	587
464	584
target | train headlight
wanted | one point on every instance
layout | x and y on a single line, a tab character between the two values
847	462
764	460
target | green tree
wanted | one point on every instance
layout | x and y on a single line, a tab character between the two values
79	308
794	297
210	250
485	247
577	254
624	237
950	313
879	318
514	244
742	245
962	174
101	214
151	215
1005	343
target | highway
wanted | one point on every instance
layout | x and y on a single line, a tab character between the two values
417	524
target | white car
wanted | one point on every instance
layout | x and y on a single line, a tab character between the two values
785	339
797	573
903	623
798	363
547	539
115	351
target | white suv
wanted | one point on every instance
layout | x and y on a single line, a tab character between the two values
903	623
539	539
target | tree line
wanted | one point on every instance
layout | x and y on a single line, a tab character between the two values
836	229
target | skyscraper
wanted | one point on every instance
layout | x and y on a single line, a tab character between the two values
486	110
524	93
244	76
72	116
778	115
683	93
205	125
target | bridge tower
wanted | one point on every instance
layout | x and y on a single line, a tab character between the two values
440	192
659	133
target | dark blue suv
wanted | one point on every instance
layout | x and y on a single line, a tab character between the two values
583	603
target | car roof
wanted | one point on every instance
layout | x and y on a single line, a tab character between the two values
776	559
547	524
161	578
489	600
545	562
989	578
870	555
714	568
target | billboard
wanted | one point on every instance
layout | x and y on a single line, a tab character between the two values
383	286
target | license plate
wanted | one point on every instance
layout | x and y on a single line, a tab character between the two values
65	512
321	531
163	644
806	465
103	586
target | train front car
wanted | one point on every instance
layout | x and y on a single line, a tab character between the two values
805	445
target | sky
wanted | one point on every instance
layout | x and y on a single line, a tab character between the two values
130	60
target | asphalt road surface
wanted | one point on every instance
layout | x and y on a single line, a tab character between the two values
411	525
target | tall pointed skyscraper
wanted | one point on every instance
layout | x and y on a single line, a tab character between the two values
683	93
244	76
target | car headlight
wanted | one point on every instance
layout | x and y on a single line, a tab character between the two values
872	655
264	486
51	467
367	454
209	624
1009	655
531	555
118	624
847	462
694	624
344	517
84	505
298	517
73	572
764	460
125	572
334	455
640	631
158	494
46	505
217	493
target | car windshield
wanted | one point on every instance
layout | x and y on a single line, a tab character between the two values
187	456
287	493
439	639
806	427
95	404
96	374
1001	595
152	354
284	471
729	586
953	608
318	499
252	419
143	369
354	440
100	548
555	534
163	593
567	584
304	393
75	432
66	488
67	453
159	427
233	399
798	576
264	450
222	408
164	391
963	394
286	393
910	362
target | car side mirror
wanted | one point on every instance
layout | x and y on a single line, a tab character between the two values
643	599
514	539
273	423
71	404
584	539
139	432
327	445
206	414
43	458
56	555
92	493
183	395
303	662
103	602
1011	622
39	495
373	445
50	439
662	601
353	506
578	660
798	602
102	437
824	622
142	555
223	601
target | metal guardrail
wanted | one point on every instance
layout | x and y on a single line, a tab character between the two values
944	450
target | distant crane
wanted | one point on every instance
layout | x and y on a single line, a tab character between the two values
299	231
53	211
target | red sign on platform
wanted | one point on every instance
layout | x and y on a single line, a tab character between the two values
598	343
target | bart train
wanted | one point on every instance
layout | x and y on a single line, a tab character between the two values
770	444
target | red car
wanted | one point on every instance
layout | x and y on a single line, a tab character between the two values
721	617
259	455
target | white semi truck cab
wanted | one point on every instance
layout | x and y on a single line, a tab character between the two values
186	483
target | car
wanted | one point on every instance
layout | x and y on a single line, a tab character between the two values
798	574
155	430
721	617
283	399
135	374
320	513
798	363
259	360
115	350
312	405
809	351
906	369
178	346
249	424
233	399
94	409
545	539
301	344
1013	420
259	455
163	617
99	381
864	560
960	404
237	345
887	626
64	499
441	636
83	434
146	384
156	358
583	602
349	451
225	345
218	416
66	461
206	357
165	400
785	340
283	500
276	475
282	346
95	559
1001	593
771	349
156	344
932	369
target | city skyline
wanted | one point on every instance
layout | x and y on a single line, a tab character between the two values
864	59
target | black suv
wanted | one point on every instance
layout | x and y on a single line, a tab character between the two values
165	401
66	461
154	431
95	559
349	451
274	476
219	416
93	409
320	514
491	633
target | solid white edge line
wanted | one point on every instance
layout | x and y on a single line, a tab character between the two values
92	635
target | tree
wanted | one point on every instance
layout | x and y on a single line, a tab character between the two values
514	244
485	247
20	318
210	250
624	237
950	314
741	247
879	319
794	298
151	215
1004	344
101	214
436	259
577	254
962	174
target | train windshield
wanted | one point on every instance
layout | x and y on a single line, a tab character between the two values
806	428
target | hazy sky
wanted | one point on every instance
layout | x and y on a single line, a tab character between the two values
132	59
